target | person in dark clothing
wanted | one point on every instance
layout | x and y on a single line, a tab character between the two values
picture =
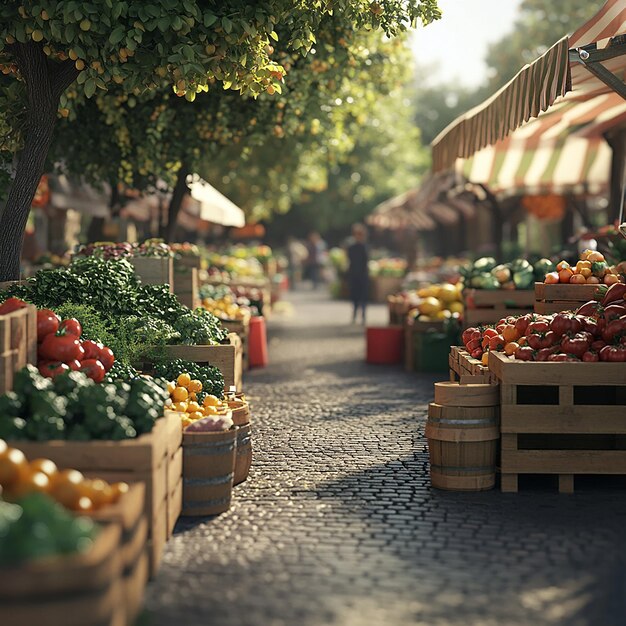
358	272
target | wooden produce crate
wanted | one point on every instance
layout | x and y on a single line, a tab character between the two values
75	590
464	369
129	514
18	343
144	459
557	298
412	328
486	306
561	418
187	286
154	270
383	286
188	260
174	473
227	357
241	328
398	310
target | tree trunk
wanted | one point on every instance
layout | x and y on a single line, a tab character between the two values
45	82
180	189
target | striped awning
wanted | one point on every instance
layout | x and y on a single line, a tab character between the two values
534	89
563	151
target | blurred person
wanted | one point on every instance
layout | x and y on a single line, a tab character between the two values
296	255
316	249
358	272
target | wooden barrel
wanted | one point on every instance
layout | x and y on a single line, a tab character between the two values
241	412
471	395
244	454
462	444
208	471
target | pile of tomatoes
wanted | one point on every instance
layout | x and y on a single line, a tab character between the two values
596	332
592	269
61	349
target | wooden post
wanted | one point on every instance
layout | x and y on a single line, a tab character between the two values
617	141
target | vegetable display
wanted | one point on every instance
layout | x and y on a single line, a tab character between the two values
210	377
72	406
591	269
187	397
485	273
37	527
110	250
19	478
595	332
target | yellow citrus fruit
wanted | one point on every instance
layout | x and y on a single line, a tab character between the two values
170	387
195	386
180	406
196	415
180	394
209	410
210	401
184	380
193	397
193	406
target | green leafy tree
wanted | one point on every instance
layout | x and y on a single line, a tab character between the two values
190	45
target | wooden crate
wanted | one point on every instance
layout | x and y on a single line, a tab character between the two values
187	286
188	260
557	298
561	418
174	473
154	270
485	306
76	590
241	328
144	459
464	369
383	286
226	357
18	336
411	328
129	514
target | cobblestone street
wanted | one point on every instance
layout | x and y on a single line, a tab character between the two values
337	524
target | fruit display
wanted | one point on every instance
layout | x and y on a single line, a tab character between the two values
234	267
595	332
435	302
591	269
73	406
210	378
20	477
185	249
37	527
392	267
61	349
226	308
188	398
248	300
486	273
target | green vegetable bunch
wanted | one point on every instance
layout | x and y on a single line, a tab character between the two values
210	376
73	407
37	527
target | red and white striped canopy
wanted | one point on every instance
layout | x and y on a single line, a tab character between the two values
563	151
534	89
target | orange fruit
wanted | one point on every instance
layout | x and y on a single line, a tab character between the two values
565	274
180	406
210	400
13	467
196	415
195	386
193	397
511	347
192	407
35	481
99	492
46	466
170	387
180	394
183	380
210	410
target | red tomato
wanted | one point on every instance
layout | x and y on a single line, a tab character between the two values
544	353
92	349
497	343
12	304
490	332
562	357
94	369
52	369
467	335
590	357
71	327
615	354
525	353
476	354
107	358
540	326
576	345
62	348
74	365
473	345
47	323
598	344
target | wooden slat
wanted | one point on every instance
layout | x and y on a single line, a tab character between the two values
565	292
580	419
499	298
565	462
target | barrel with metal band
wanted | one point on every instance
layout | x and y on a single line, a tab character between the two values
241	417
208	471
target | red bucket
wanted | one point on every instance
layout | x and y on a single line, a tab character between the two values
385	345
257	343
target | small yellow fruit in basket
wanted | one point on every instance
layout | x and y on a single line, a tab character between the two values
194	386
192	406
180	394
183	380
170	387
210	400
180	406
210	410
196	415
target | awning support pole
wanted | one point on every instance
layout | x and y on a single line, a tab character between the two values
592	59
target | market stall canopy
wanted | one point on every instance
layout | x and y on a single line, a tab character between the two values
590	62
66	193
563	151
212	206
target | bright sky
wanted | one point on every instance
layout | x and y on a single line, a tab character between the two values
456	45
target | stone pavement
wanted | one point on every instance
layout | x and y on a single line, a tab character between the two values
337	524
